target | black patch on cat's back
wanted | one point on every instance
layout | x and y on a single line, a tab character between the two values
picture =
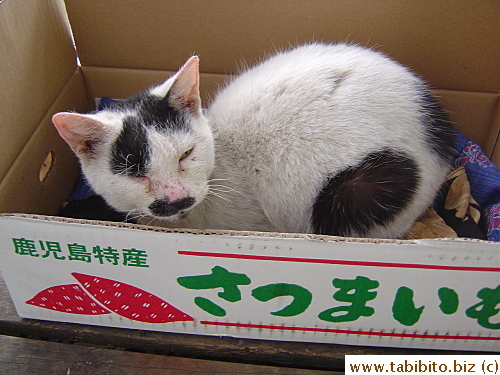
370	193
130	154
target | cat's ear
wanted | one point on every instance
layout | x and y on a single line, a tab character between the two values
185	91
81	132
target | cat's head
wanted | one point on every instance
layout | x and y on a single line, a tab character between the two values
151	154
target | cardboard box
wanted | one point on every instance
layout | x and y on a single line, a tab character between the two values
424	294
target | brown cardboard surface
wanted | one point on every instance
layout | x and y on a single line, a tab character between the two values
37	59
21	190
122	83
451	43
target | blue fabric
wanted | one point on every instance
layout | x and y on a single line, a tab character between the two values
82	190
105	103
484	180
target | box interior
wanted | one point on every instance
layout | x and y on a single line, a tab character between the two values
123	47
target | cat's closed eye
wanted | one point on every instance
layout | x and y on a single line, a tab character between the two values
185	154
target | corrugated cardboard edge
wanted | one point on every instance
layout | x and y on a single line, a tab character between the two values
233	233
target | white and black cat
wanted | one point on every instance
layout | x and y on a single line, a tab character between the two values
328	139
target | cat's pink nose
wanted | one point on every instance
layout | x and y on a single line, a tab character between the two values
174	192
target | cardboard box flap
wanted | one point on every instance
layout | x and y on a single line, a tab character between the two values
38	58
44	173
452	44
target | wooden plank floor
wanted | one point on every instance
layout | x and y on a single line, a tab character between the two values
260	352
32	357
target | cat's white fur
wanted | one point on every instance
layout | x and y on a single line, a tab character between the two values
277	131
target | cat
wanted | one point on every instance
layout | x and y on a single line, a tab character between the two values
332	139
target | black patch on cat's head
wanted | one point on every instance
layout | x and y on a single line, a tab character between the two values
130	154
162	115
440	133
370	193
153	111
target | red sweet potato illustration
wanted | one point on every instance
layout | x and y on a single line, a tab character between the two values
129	301
69	299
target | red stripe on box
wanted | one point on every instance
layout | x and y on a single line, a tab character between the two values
349	332
338	262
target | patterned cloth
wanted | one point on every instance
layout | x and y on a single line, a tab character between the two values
484	180
468	204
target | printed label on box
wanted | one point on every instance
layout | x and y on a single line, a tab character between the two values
427	294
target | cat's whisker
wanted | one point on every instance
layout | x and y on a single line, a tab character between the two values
218	179
134	215
126	170
221	196
225	189
209	199
128	166
223	186
152	221
220	190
